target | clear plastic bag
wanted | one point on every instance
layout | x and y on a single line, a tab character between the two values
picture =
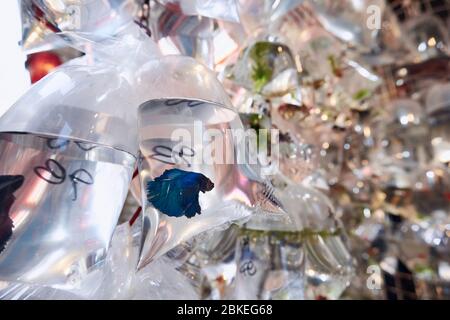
42	20
66	163
191	184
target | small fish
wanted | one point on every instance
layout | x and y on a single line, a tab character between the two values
8	185
175	192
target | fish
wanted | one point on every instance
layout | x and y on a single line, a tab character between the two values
175	192
8	185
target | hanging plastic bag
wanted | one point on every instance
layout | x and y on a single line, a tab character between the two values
42	20
116	279
301	253
66	164
251	14
176	76
216	9
193	175
355	22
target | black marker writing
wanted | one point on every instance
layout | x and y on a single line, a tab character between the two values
167	155
248	268
190	103
54	173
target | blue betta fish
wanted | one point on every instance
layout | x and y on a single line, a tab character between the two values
175	192
8	185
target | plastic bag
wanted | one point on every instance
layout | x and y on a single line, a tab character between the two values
355	22
66	165
302	254
252	15
43	20
216	9
193	175
161	280
114	283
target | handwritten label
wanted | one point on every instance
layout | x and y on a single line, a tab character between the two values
189	103
248	268
168	155
59	143
54	173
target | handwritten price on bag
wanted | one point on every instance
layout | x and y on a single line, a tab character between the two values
54	173
168	155
56	144
248	268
